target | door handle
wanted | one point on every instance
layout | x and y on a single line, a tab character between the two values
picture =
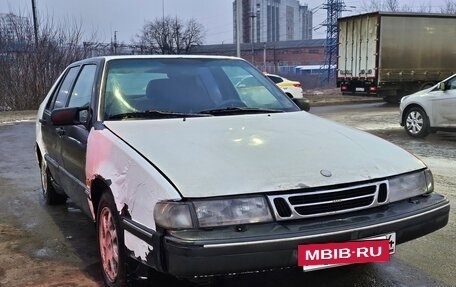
60	131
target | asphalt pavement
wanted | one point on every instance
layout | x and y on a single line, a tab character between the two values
56	246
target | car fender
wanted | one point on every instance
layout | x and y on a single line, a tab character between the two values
136	185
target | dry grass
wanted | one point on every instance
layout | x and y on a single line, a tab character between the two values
13	116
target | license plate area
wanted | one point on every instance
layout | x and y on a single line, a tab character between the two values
373	249
358	89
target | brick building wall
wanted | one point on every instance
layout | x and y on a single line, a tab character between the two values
281	58
284	53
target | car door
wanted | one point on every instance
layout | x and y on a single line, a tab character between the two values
444	105
74	137
51	134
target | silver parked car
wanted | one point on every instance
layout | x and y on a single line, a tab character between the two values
430	110
189	173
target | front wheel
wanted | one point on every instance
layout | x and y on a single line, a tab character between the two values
416	122
110	242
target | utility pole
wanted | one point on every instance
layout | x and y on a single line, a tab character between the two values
35	23
252	37
115	42
164	39
264	57
334	11
238	28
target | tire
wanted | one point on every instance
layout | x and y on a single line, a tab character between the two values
416	122
50	195
110	240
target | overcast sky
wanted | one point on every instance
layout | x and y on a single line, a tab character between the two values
128	16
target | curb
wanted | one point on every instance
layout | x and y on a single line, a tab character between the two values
348	102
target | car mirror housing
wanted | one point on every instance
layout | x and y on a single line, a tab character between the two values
303	104
442	86
69	116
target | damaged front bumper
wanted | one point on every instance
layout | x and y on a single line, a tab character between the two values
239	249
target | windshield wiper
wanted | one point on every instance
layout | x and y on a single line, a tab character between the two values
153	114
239	110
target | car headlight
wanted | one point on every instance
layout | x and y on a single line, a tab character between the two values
410	185
173	215
212	212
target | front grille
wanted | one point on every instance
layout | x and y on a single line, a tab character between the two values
320	202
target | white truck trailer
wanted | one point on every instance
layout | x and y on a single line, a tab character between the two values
394	54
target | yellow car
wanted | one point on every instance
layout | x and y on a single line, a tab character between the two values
293	89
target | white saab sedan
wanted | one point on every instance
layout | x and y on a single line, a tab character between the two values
430	110
187	173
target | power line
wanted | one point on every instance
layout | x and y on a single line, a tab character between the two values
334	12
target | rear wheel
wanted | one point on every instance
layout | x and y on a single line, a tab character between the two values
416	122
110	242
51	196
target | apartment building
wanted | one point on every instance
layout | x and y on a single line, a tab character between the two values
272	21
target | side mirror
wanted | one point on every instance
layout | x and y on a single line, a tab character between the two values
69	116
303	104
442	86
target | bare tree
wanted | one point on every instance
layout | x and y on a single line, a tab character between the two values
170	36
449	7
372	5
424	8
392	6
193	35
27	71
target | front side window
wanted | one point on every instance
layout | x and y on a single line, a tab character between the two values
185	87
451	84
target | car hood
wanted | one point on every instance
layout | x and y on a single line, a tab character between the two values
243	154
418	94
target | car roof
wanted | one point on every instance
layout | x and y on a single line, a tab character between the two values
117	57
267	74
108	58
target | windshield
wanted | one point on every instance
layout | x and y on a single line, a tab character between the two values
181	87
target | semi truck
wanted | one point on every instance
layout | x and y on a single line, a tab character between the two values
390	54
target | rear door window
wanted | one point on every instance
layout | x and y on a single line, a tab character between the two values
63	92
82	91
275	79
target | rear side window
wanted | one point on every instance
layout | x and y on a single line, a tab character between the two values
63	92
275	79
82	91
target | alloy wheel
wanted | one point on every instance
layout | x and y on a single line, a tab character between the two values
109	247
414	122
